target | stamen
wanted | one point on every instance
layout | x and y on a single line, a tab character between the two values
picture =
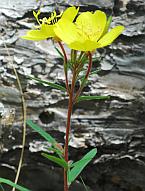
88	32
60	14
36	16
51	20
54	14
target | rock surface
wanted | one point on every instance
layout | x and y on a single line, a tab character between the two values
115	127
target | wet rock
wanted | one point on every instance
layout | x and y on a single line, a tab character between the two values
92	3
16	9
115	126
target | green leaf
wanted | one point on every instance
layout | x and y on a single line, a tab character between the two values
83	98
81	77
95	71
48	137
58	51
9	182
38	129
109	20
57	151
53	85
80	165
61	162
84	59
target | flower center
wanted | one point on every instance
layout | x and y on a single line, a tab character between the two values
88	32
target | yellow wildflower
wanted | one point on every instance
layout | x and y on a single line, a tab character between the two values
46	25
88	32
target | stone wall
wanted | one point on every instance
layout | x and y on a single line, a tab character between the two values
115	127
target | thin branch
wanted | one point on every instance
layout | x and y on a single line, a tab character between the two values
65	66
68	127
84	183
85	78
24	119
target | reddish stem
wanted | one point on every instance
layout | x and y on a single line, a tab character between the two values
70	105
89	66
68	126
65	65
86	76
65	181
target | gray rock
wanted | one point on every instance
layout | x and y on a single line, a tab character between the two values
115	126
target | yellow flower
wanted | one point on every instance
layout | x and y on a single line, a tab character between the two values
88	32
46	25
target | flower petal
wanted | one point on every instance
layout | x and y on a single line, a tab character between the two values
100	23
110	36
92	24
46	31
70	13
66	31
85	45
84	22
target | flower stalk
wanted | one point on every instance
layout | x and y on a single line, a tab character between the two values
65	66
68	127
85	78
71	102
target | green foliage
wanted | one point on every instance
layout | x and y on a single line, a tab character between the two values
58	51
53	85
47	137
43	133
77	167
74	169
84	98
109	20
81	77
61	162
9	182
55	146
57	151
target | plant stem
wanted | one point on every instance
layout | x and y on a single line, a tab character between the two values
68	126
71	102
24	120
85	78
65	67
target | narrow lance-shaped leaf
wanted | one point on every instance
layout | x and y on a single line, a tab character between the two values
81	77
78	166
84	98
61	162
57	148
109	20
58	51
43	133
57	151
53	85
10	183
